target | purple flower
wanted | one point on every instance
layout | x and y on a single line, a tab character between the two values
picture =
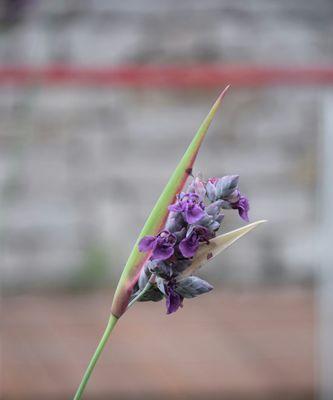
190	205
162	245
194	237
173	299
243	206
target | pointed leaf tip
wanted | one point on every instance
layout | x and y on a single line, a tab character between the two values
220	243
223	93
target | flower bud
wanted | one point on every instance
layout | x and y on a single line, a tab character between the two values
192	287
197	186
211	190
161	269
175	222
144	275
214	208
226	185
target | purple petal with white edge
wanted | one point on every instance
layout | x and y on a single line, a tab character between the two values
147	243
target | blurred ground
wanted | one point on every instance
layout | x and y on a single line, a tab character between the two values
229	344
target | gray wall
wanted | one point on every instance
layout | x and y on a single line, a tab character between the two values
80	168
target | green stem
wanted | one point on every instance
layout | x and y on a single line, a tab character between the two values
138	297
109	328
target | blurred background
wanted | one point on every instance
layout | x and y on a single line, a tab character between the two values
98	101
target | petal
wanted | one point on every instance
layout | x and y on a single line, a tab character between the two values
243	213
243	208
188	248
173	302
194	214
162	253
147	243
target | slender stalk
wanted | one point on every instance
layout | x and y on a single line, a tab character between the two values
138	296
109	328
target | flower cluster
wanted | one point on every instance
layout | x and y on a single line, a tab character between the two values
194	219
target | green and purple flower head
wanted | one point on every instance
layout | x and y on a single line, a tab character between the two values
194	219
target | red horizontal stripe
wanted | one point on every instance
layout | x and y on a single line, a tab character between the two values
165	76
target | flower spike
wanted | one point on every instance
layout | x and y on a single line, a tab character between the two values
158	215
